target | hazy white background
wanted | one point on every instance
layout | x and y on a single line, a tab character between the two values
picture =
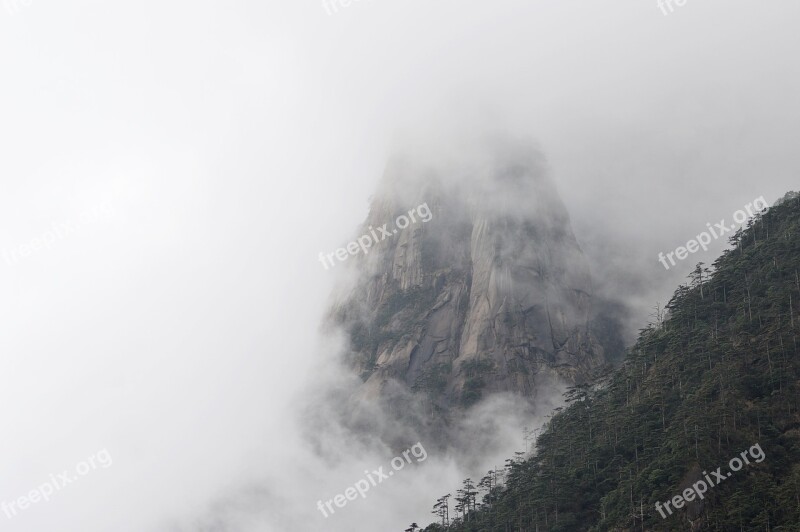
236	140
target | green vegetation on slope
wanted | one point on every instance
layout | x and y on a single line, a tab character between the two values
719	374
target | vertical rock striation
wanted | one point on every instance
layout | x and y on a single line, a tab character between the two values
492	294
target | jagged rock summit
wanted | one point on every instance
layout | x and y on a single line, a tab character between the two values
491	294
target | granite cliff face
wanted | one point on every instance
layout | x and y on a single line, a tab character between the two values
492	294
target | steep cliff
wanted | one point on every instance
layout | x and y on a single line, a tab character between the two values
491	294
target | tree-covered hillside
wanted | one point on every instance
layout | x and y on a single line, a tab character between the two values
715	375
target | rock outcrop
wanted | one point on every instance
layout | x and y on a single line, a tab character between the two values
491	294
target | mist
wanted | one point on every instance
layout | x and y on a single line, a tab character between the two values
180	330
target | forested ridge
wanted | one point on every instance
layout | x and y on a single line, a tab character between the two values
714	373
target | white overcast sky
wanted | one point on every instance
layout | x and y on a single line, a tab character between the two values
233	141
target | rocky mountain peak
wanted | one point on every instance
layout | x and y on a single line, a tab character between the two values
490	294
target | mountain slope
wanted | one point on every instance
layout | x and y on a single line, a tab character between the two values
719	375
